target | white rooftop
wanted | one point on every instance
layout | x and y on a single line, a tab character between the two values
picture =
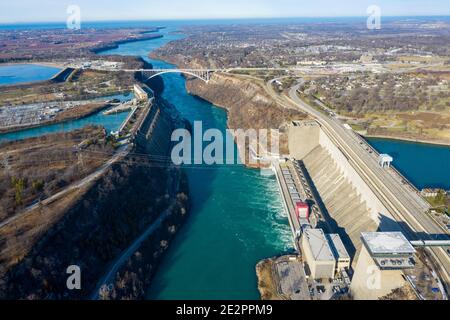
386	157
387	243
337	246
319	245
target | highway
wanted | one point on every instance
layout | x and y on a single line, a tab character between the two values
403	201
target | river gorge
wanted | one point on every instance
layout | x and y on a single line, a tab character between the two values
236	215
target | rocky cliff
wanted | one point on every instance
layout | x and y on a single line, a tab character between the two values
248	104
94	229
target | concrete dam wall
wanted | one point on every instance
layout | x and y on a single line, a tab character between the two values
347	198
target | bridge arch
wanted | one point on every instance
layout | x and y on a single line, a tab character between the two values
204	75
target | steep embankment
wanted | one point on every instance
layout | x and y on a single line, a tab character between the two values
267	285
249	106
248	103
94	229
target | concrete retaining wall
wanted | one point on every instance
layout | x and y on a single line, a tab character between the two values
377	210
348	199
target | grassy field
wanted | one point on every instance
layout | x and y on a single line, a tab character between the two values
429	126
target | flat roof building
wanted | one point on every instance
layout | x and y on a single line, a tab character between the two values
318	254
339	251
143	92
389	250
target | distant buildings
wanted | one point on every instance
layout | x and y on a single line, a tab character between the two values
311	63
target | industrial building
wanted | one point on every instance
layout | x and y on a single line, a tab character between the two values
389	250
340	253
143	93
381	265
302	212
318	254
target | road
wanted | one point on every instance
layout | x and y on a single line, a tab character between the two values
399	197
270	90
109	277
120	154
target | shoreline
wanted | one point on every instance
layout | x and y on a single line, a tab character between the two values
58	65
411	140
116	44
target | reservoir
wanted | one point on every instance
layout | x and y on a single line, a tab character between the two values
24	73
425	165
110	122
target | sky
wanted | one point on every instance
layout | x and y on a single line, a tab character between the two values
12	11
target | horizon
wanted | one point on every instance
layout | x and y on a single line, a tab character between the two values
43	22
49	11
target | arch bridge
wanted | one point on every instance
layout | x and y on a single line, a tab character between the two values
202	74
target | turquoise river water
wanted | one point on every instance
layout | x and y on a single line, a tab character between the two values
237	217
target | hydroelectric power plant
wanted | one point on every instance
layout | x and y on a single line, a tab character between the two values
351	235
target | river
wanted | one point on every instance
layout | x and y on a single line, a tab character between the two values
237	217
